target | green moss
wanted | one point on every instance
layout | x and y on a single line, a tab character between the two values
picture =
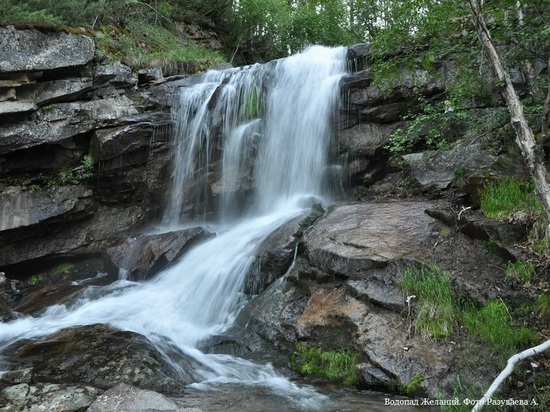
334	365
435	312
62	268
413	385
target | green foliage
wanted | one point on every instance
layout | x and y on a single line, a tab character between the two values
427	130
55	14
334	365
507	196
413	385
520	269
435	313
493	325
544	306
141	44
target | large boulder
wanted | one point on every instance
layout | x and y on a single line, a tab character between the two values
124	397
48	397
145	255
99	356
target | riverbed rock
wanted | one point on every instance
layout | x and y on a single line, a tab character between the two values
124	397
99	356
143	256
48	397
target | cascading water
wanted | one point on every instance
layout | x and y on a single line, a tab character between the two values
278	115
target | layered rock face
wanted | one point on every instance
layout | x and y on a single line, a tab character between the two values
83	151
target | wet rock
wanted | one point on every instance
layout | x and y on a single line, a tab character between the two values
124	397
273	314
365	139
48	397
45	296
99	356
90	234
32	50
145	255
276	253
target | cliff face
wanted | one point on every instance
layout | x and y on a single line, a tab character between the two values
83	147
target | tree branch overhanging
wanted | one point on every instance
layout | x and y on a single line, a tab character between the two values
525	138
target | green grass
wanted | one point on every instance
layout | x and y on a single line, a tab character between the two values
142	45
520	269
435	312
544	306
413	385
507	196
493	325
334	365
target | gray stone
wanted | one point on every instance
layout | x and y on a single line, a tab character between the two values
54	91
117	73
437	171
127	398
20	208
64	120
42	397
17	107
32	50
353	238
145	255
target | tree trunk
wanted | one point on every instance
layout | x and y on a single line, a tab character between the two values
525	139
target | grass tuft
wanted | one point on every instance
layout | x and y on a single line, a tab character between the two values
520	269
334	365
493	325
506	197
435	312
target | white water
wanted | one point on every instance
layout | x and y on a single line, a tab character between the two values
201	295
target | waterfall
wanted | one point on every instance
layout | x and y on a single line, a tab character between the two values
269	123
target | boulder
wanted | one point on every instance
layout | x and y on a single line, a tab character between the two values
33	50
118	74
48	397
99	356
90	231
143	256
439	169
356	237
124	397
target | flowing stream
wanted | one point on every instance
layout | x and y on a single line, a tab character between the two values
270	127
